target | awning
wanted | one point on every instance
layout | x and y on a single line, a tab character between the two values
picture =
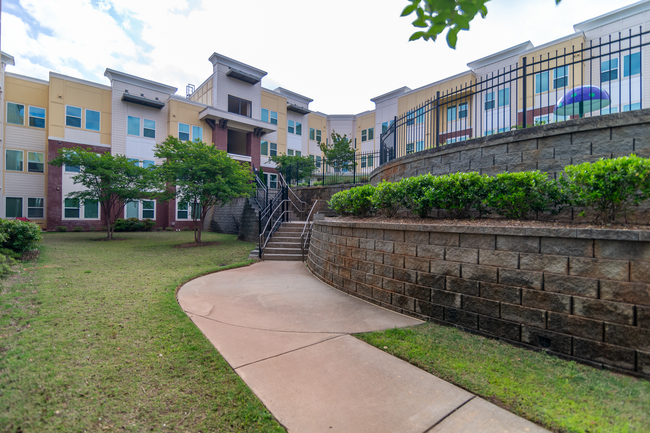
224	119
141	100
297	109
243	76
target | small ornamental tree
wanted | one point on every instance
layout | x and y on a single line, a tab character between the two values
203	175
110	180
294	167
339	153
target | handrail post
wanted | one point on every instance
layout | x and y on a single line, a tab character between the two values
354	168
394	139
523	91
437	118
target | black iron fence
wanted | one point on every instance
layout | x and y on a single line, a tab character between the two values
600	77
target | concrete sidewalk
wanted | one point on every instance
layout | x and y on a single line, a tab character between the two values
287	335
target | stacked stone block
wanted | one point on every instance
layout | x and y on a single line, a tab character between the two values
581	294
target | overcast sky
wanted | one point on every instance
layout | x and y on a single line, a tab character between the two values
340	53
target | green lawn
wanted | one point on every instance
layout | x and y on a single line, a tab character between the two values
92	339
560	395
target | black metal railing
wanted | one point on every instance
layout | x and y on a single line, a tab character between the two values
526	94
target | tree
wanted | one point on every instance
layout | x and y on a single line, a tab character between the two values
339	154
203	175
437	15
111	180
294	167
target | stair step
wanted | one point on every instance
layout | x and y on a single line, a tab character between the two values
273	244
283	257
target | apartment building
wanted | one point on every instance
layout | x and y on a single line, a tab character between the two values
128	115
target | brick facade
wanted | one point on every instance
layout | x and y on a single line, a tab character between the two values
580	294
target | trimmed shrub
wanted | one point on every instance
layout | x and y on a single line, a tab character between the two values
20	236
133	225
61	229
608	186
361	200
341	202
10	253
413	194
77	229
387	198
170	229
515	195
459	194
185	229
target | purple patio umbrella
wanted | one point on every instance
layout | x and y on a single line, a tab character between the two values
581	100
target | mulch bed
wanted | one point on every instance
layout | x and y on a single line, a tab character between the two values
488	222
194	244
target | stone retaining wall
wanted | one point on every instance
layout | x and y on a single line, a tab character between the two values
581	294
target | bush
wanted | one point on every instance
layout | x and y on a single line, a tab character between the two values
170	229
20	236
341	203
515	195
608	186
10	253
5	264
77	229
361	200
61	229
413	194
185	229
133	225
459	194
387	198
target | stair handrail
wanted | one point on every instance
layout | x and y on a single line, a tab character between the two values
306	231
273	229
303	204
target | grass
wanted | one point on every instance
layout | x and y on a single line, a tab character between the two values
560	395
92	339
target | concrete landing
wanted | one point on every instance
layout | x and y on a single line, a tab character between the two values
286	334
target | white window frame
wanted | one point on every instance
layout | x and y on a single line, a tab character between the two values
22	170
25	113
187	209
611	69
139	126
35	162
452	113
99	121
273	149
194	128
22	207
371	133
189	131
29	117
141	209
273	117
364	135
82	211
75	117
319	135
463	108
290	152
34	207
312	134
557	77
503	97
298	128
144	128
291	126
543	81
269	180
489	98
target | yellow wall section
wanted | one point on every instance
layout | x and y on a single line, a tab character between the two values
415	99
277	103
26	92
64	92
180	112
203	94
365	122
318	122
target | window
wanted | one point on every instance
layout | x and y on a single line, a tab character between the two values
14	207
148	163
451	114
632	107
148	209
298	128
541	120
364	135
264	148
609	70
290	152
318	135
37	117
141	209
419	146
272	180
91	209
462	110
15	113
72	169
298	153
371	133
409	148
370	160
265	115
197	133
73	116
561	77
609	110
183	132
291	127
274	149
504	97
14	160
541	82
274	117
420	116
632	64
35	208
93	120
364	161
71	208
384	127
149	130
240	106
133	125
489	101
312	134
35	162
410	118
318	160
183	211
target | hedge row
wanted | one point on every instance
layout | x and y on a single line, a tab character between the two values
608	187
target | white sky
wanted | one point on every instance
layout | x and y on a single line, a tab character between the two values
340	53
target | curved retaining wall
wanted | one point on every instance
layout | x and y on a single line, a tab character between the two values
581	294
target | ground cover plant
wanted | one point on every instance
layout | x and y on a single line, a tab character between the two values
92	339
562	396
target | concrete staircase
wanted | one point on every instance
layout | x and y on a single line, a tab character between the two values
285	243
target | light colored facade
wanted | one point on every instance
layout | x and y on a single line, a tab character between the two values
232	110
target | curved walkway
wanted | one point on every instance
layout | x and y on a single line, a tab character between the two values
287	335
